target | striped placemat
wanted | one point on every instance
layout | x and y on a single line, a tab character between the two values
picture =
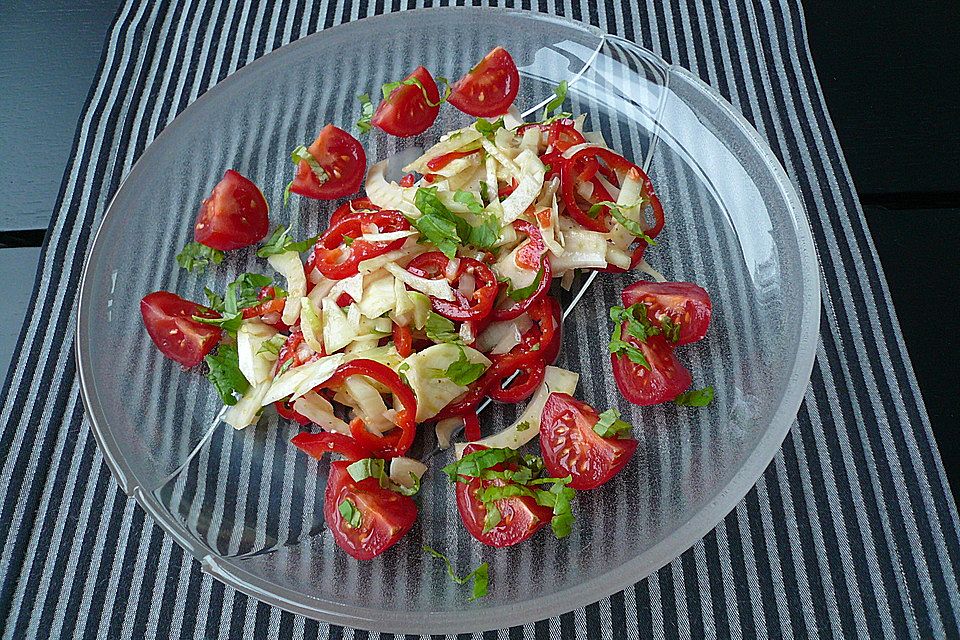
851	531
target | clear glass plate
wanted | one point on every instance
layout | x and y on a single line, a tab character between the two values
248	505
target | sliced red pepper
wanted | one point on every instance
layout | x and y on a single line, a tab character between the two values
471	426
515	308
434	264
466	402
287	412
435	164
531	368
351	209
407	181
337	260
506	191
402	340
397	441
317	444
530	255
546	335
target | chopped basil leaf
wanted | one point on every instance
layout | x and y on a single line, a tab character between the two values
469	199
347	240
559	498
225	374
631	225
273	345
525	292
389	88
242	293
440	329
484	191
286	193
523	426
472	464
639	324
480	575
376	468
195	257
620	346
402	372
487	128
463	372
350	513
281	242
695	397
671	329
286	365
438	224
216	302
492	517
559	95
486	234
557	116
366	113
611	426
301	153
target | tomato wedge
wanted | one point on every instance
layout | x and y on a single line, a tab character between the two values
685	303
462	308
664	381
571	447
169	321
489	88
384	515
343	163
233	216
409	110
521	516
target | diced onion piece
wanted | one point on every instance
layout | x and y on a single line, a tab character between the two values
311	325
426	370
247	410
338	331
512	118
555	380
437	288
528	189
254	366
445	429
321	289
288	264
320	412
406	471
296	381
497	332
582	250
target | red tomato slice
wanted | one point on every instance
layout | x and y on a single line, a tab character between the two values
233	216
406	111
686	304
489	88
342	158
571	447
521	516
385	516
169	321
664	381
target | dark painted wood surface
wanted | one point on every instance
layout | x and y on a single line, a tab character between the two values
891	77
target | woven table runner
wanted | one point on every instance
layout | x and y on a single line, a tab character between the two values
851	531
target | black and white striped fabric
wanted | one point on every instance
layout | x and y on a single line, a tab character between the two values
850	532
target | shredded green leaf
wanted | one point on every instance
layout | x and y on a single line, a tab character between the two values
523	426
638	325
480	575
469	199
242	293
440	329
438	224
611	426
281	242
489	129
463	372
225	374
350	513
390	87
376	468
484	192
559	95
301	153
671	329
366	113
472	464
695	397
273	345
216	301
195	257
631	225
523	293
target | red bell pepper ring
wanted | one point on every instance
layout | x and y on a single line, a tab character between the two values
546	335
287	412
352	209
471	426
536	245
531	370
402	340
434	265
337	260
466	402
435	164
317	444
397	441
407	181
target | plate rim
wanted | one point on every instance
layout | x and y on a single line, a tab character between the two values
679	541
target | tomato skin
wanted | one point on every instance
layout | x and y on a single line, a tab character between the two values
686	304
233	216
521	516
489	88
170	324
341	156
406	112
664	381
571	447
385	516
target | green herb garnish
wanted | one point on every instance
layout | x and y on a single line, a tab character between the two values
281	242
350	513
195	257
480	575
463	372
225	374
695	397
376	468
489	129
390	87
638	326
273	345
610	425
618	213
559	95
523	293
242	293
440	329
366	113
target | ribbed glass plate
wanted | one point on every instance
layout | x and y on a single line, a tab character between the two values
248	505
